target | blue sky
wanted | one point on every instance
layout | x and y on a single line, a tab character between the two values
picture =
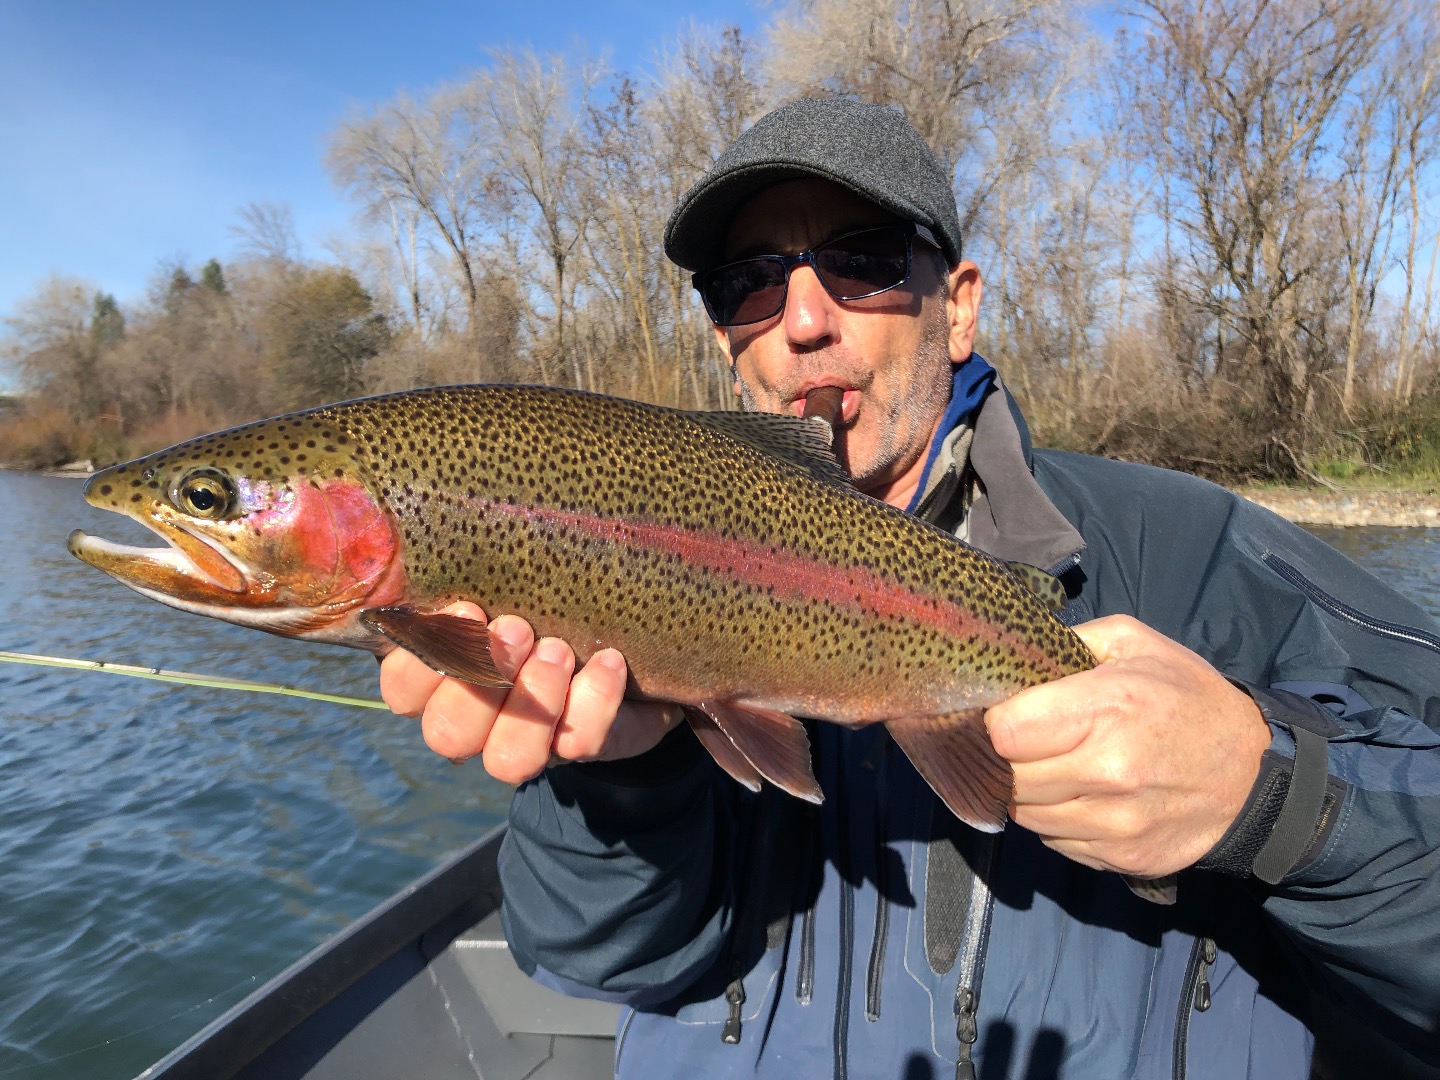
133	132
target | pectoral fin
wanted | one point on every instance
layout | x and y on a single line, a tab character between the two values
955	756
1046	586
773	743
723	750
449	644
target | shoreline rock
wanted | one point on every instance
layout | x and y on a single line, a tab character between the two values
1346	509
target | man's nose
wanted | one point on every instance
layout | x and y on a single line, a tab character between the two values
809	309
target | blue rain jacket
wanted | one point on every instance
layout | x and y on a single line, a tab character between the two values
874	936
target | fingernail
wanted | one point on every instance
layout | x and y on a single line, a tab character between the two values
461	760
550	651
609	659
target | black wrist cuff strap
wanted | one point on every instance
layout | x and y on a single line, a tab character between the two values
1300	814
1289	809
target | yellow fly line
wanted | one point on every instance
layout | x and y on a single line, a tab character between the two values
186	678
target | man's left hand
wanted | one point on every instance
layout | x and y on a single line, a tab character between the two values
1139	765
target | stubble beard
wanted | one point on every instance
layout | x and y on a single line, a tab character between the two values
903	431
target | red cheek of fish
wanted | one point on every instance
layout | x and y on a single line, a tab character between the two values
327	543
368	544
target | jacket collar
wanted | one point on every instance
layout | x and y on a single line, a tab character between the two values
1010	517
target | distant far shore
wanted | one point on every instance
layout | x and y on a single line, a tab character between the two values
1346	508
1304	506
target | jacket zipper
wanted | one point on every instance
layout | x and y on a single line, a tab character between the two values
805	970
874	976
746	907
735	995
841	1030
1342	610
972	955
1194	994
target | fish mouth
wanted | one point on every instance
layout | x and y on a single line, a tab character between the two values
189	566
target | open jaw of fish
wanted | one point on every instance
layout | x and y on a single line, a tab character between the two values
299	559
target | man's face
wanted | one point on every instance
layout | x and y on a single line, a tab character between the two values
890	354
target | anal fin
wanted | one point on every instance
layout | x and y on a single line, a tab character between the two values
954	754
773	743
1160	890
448	643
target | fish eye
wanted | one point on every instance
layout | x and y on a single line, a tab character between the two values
205	493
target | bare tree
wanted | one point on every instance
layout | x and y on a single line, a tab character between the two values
709	89
421	164
1237	102
644	150
1416	66
953	68
49	346
528	110
266	230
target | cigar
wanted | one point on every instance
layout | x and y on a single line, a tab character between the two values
824	402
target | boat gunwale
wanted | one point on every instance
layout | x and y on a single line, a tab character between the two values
247	1030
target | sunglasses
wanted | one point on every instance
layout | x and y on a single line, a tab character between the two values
858	264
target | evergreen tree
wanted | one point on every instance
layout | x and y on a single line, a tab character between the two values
107	322
213	278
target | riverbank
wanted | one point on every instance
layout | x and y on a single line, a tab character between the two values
1316	506
1304	506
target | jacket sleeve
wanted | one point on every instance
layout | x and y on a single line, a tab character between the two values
1341	840
615	874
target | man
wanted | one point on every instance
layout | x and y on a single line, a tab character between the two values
1254	725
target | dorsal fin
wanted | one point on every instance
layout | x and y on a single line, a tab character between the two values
1044	585
807	443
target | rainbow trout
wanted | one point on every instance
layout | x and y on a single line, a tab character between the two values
726	555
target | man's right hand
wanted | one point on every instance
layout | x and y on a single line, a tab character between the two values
552	714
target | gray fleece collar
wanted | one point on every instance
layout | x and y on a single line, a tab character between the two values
1010	517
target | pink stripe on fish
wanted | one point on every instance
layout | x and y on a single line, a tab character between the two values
788	575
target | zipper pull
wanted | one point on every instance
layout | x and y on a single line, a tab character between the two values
966	1031
1208	953
735	995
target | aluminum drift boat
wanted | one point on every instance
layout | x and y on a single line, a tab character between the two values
421	988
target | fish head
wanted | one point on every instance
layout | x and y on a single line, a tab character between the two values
271	525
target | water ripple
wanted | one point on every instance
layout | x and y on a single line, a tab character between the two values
164	850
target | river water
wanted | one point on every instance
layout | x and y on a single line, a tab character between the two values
164	850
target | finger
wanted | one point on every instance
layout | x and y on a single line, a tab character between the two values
1049	782
458	718
1120	637
591	707
511	641
1041	721
1074	819
520	740
406	684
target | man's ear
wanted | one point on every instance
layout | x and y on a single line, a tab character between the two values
722	338
962	308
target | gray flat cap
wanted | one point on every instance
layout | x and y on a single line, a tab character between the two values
870	149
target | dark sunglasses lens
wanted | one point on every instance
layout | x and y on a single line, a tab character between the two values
745	292
864	263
